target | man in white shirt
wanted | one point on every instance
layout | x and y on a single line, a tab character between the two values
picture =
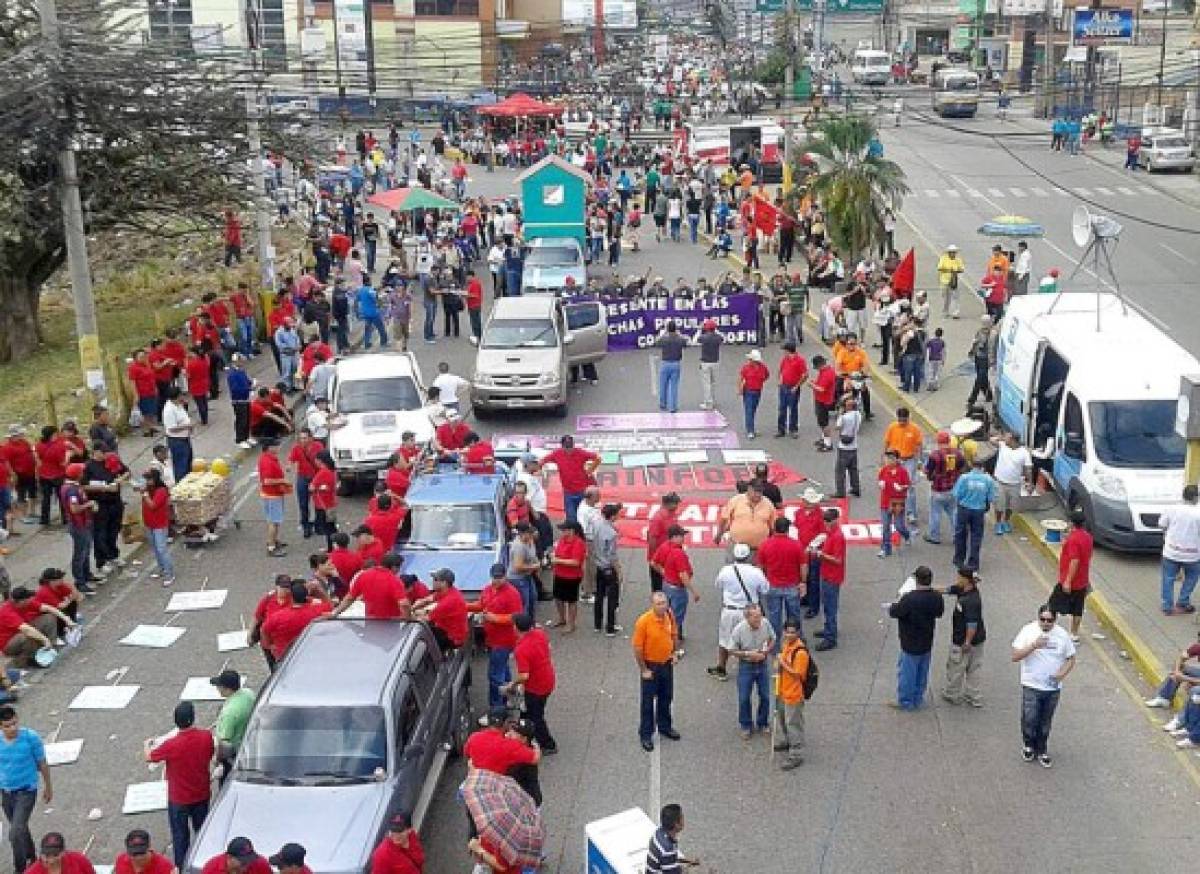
529	471
449	384
1181	552
178	426
1023	268
317	419
1014	470
319	379
589	517
1046	655
741	584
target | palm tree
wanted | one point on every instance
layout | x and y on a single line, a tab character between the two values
853	184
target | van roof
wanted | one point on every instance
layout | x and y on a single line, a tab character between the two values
1111	356
377	366
525	306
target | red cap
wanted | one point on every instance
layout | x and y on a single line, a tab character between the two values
1054	272
709	325
943	437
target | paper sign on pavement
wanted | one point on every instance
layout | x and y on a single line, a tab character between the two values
153	636
63	752
228	641
104	697
145	797
689	456
209	599
744	456
201	689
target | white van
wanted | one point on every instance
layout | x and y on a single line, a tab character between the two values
871	67
1107	397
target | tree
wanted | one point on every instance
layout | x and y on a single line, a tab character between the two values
161	143
772	70
853	184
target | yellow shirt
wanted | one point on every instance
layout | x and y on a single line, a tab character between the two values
749	524
947	266
904	438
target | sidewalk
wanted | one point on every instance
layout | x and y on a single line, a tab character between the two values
38	548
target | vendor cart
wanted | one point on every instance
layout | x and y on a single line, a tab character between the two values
202	504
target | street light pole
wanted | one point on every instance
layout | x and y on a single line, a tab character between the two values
266	252
1162	57
789	92
86	330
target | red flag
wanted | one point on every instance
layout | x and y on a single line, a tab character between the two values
765	216
905	277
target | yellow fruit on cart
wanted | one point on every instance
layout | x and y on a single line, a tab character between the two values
220	467
199	465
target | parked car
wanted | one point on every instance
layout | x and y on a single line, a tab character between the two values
553	264
328	760
1165	148
375	399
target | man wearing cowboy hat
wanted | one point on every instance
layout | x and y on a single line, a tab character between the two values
950	267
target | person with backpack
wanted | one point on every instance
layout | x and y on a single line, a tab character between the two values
795	683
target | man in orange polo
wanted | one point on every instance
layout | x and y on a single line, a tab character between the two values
747	518
654	642
907	440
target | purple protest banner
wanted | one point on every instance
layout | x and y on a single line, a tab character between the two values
634	323
686	420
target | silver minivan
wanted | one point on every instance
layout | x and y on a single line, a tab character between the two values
527	346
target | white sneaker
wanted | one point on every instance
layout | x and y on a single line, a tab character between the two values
245	444
104	570
1179	732
1158	701
168	582
1172	725
1185	744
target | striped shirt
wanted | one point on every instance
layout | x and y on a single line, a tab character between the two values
663	855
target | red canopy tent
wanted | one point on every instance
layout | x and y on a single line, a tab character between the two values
521	105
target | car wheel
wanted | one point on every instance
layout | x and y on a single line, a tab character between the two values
560	412
480	413
345	487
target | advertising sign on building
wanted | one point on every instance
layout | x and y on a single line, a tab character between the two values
618	14
1031	7
1102	26
350	19
843	7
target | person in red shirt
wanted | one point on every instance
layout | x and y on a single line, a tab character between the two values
174	350
809	523
290	860
475	306
450	436
824	389
385	520
272	486
56	591
445	611
55	858
400	851
239	858
576	471
400	466
570	552
793	374
656	534
323	488
894	484
187	757
282	627
196	367
380	590
244	310
145	388
479	456
493	750
369	549
24	629
347	561
519	511
1074	573
672	562
51	453
784	562
279	598
138	858
535	675
303	459
232	237
499	602
830	548
156	518
751	379
18	452
339	247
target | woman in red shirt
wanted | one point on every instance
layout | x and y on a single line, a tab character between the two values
475	306
323	490
752	377
156	517
399	475
199	376
145	386
51	452
567	561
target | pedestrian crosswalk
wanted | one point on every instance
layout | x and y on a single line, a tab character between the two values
1035	191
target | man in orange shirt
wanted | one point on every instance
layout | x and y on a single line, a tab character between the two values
747	518
998	260
789	695
906	438
850	358
654	642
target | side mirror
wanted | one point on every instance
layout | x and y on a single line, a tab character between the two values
568	339
474	341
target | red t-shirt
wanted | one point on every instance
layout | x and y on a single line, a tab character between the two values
283	626
572	473
391	858
825	386
243	307
305	458
474	293
532	654
72	863
270	604
269	467
156	864
175	351
218	311
198	381
674	563
11	621
188	756
51	594
347	561
492	750
755	375
450	435
76	502
219	864
1078	545
808	524
449	613
782	560
257	409
161	364
385	525
372	551
51	458
380	590
517	511
141	374
574	548
475	460
339	245
893	485
792	369
835	545
504	601
19	453
398	481
156	509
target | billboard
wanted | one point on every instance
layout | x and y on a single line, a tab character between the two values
1031	7
620	14
835	7
1093	27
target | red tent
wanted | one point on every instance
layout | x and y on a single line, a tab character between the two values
905	277
521	105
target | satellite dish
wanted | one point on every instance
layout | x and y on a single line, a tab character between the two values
1084	226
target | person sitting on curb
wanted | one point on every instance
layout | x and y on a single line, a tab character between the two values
1185	673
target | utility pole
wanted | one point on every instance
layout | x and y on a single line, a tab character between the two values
1048	61
266	252
86	330
1162	60
789	92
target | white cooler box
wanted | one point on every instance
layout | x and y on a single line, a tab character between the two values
617	844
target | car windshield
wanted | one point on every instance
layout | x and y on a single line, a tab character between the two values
1136	434
552	256
961	83
449	525
1170	143
518	334
293	742
391	394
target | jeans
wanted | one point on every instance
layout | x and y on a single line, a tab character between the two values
888	519
830	593
476	317
708	383
967	523
846	463
1037	712
302	502
693	227
597	249
18	807
656	696
677	597
750	401
1170	685
158	545
512	283
608	598
370	325
939	503
782	604
290	361
372	246
675	226
789	410
498	674
910	373
910	500
181	456
1170	570
180	817
81	547
535	712
429	306
753	676
247	331
528	590
668	386
571	502
912	677
793	327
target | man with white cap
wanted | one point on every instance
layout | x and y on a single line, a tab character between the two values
741	584
950	267
751	379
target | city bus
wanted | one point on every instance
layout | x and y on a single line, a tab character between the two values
955	92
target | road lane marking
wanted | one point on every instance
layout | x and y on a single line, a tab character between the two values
1103	191
1059	190
1128	192
656	778
1178	254
973	193
1040	192
1082	192
932	192
1017	192
1146	189
952	192
995	192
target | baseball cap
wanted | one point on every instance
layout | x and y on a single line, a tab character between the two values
399	822
137	842
709	325
289	855
242	850
227	680
498	570
943	436
741	551
53	842
444	573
